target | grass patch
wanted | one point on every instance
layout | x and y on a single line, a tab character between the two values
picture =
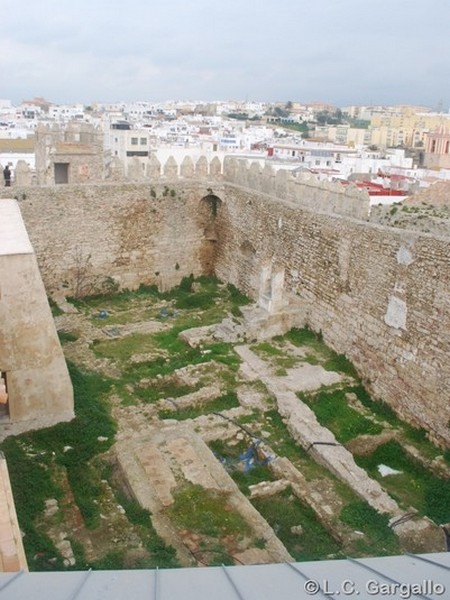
56	311
236	296
66	336
33	457
124	348
304	337
160	555
359	515
165	365
32	484
414	486
330	360
279	357
163	388
206	512
416	435
224	402
340	363
332	411
116	299
286	510
86	488
266	348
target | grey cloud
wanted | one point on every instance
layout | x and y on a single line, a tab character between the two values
340	50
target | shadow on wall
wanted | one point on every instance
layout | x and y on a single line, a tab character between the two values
209	212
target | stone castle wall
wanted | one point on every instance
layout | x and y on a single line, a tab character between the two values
93	238
302	188
379	295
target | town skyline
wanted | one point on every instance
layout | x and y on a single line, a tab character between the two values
336	52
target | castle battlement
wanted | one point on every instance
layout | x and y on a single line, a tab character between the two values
302	189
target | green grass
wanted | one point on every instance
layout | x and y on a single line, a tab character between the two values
66	336
279	357
379	537
341	364
162	388
160	554
414	486
330	360
285	510
237	297
224	402
415	435
33	458
266	348
56	311
304	337
333	411
116	299
206	512
32	484
181	356
124	348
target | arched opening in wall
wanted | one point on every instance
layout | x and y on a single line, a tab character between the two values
212	204
4	404
209	211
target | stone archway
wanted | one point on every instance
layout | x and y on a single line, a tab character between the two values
209	211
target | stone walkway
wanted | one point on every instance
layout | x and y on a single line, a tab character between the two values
420	534
166	457
317	440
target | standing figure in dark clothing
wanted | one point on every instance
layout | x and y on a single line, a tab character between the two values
7	176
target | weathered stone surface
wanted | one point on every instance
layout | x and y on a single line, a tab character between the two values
37	380
319	441
265	489
154	464
378	294
12	554
197	335
204	394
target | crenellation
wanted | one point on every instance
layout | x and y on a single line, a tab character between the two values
153	168
201	168
170	169
215	168
187	168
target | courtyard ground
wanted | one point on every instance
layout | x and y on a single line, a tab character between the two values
193	449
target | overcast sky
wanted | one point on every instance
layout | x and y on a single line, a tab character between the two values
339	51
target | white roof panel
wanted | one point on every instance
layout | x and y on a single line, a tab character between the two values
13	235
393	577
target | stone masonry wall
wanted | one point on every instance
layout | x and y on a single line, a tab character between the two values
88	238
379	295
38	383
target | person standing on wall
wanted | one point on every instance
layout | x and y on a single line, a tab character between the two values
7	176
